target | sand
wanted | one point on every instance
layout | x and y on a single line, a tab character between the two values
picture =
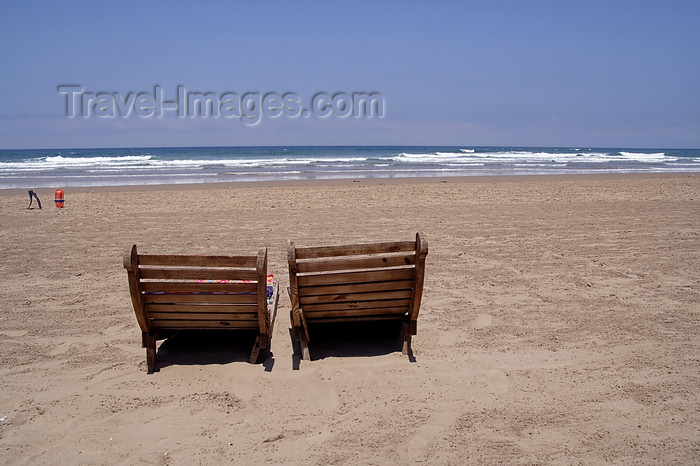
560	324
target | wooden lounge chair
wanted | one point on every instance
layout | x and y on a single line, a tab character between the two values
375	281
173	292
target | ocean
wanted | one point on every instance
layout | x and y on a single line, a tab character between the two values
53	168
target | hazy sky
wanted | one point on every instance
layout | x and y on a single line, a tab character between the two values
529	73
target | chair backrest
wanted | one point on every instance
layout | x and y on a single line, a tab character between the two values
356	282
199	292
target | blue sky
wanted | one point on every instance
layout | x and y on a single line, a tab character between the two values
527	73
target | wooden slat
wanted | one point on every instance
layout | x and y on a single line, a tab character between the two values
201	298
196	273
202	316
314	316
197	261
237	308
204	324
356	288
357	305
355	277
189	287
353	263
345	297
353	250
324	320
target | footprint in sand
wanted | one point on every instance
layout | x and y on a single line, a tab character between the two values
497	381
482	321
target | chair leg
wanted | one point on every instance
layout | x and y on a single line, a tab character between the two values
150	344
406	349
256	351
305	355
301	335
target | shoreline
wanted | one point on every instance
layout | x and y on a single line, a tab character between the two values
356	181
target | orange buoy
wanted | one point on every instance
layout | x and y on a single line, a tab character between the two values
59	198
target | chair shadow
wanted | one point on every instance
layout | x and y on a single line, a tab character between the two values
205	347
351	339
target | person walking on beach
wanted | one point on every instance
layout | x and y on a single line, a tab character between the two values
32	195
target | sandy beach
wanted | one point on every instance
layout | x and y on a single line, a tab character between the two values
560	324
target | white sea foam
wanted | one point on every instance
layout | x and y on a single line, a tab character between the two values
87	167
145	162
59	160
516	156
659	156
